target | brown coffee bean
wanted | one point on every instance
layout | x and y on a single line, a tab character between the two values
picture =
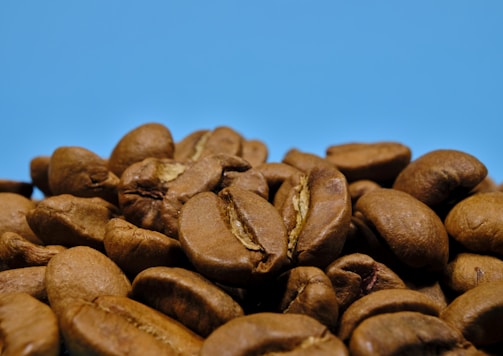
304	161
82	273
235	237
13	186
410	229
29	280
317	214
273	333
468	270
275	174
203	176
187	297
477	224
142	188
147	140
407	333
71	221
27	326
39	173
80	172
252	180
117	325
134	249
430	287
13	210
440	176
378	161
384	301
255	152
360	187
17	252
307	290
478	313
189	148
356	275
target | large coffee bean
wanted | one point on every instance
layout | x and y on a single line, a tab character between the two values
71	221
28	327
273	333
407	333
477	223
235	237
82	273
407	227
384	301
114	325
147	140
378	161
187	297
478	314
441	175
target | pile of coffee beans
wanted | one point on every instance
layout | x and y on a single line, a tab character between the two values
203	247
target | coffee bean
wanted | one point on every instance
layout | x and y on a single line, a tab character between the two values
255	152
39	173
187	297
27	326
270	333
13	186
235	237
13	210
28	280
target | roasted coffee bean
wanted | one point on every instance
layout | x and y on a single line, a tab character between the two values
117	325
71	221
379	161
356	275
187	297
407	333
276	174
478	314
80	172
384	301
440	176
252	180
273	333
17	252
13	210
39	173
27	326
304	161
360	187
134	249
307	290
235	237
317	215
203	176
82	273
13	186
255	152
477	223
29	280
142	188
430	287
189	148
407	227
468	270
147	140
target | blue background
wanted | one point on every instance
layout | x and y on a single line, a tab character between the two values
294	74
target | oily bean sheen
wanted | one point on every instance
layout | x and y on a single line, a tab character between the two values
187	297
407	333
28	327
235	237
115	325
273	333
411	230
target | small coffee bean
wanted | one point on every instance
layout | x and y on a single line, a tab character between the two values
39	173
304	161
187	297
29	280
379	161
360	187
27	326
477	224
273	333
13	186
255	152
82	273
13	211
251	180
148	140
235	237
